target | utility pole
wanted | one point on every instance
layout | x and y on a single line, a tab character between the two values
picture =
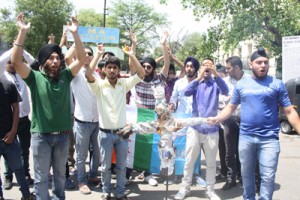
104	14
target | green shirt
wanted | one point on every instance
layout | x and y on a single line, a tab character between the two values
51	105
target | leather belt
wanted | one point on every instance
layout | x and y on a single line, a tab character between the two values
109	130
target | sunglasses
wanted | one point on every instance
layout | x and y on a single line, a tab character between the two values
89	53
148	67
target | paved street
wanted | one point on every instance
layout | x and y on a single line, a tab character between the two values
287	177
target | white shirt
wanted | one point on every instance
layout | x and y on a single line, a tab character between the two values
112	100
24	105
184	103
85	100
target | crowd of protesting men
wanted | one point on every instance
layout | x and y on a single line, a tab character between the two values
77	94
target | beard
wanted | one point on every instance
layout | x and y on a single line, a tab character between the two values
190	75
149	77
52	75
258	75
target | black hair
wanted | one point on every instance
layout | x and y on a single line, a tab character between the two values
101	64
172	67
207	58
235	61
113	60
108	53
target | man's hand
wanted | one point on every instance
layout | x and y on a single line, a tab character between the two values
21	24
127	50
9	137
213	120
164	38
73	28
100	49
125	132
132	37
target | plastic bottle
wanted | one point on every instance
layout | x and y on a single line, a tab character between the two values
167	158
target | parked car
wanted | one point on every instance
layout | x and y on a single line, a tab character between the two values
293	88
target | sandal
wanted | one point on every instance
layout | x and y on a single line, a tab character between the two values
84	189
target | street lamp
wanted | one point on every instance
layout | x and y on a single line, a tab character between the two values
104	14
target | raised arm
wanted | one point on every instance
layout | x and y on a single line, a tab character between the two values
17	53
99	52
133	39
178	63
135	63
163	42
79	49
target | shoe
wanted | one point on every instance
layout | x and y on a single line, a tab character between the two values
93	181
29	180
30	197
210	193
228	185
151	181
105	196
177	179
127	182
113	176
122	198
69	184
169	182
7	185
72	171
220	177
141	176
183	192
84	189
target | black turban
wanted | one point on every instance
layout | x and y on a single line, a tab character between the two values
151	61
194	61
46	51
260	52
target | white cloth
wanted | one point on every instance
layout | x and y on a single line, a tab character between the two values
24	105
184	103
112	100
85	100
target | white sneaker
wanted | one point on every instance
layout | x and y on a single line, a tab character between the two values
183	192
151	181
210	193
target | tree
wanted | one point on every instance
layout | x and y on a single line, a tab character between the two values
45	16
137	16
264	21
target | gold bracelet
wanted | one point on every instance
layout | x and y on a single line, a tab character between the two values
19	45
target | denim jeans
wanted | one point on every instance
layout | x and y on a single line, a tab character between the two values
266	151
49	150
24	136
12	155
86	133
108	141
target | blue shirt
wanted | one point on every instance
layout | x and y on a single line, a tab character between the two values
206	100
259	101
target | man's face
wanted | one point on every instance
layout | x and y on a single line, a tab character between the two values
189	69
88	56
260	67
148	69
207	66
52	66
10	68
112	71
232	71
171	74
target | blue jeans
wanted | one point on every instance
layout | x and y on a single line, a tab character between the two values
266	152
86	133
108	141
12	154
49	150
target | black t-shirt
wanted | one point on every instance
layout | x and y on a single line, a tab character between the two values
8	95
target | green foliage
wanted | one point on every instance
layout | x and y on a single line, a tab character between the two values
89	17
141	18
45	16
265	21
